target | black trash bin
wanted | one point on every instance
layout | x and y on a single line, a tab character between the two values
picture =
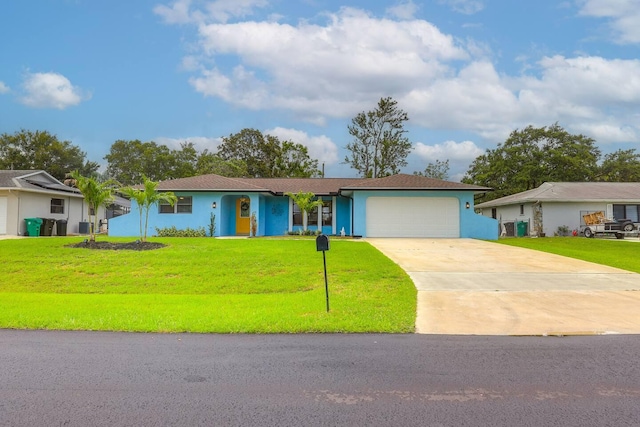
47	226
61	227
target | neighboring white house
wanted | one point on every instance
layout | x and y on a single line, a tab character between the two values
557	206
36	194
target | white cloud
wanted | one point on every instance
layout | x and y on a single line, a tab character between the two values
320	147
467	7
607	131
464	151
324	70
177	13
476	99
623	15
201	143
4	88
340	67
403	10
180	11
223	10
51	90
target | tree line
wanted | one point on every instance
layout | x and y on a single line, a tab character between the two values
379	147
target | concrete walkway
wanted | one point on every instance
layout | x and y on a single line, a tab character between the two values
473	287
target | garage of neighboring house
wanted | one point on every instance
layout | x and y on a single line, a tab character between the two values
412	217
3	215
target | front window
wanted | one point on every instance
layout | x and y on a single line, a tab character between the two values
631	212
297	215
313	216
57	206
521	209
165	207
183	205
327	215
245	207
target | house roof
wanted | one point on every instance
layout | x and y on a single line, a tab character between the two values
209	182
411	182
318	186
33	180
572	192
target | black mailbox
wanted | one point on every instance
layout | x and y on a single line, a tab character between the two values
322	243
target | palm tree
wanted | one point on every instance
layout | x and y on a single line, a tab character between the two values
146	197
96	194
306	203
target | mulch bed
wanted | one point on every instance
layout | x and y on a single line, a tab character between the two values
130	246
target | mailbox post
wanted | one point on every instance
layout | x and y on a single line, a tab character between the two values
322	244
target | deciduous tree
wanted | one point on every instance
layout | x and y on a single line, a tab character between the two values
212	163
41	150
265	156
532	156
379	147
437	170
129	161
620	166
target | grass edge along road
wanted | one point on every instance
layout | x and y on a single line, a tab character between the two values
612	252
204	285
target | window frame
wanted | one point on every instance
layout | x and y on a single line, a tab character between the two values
178	207
56	208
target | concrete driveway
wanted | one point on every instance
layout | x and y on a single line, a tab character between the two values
473	287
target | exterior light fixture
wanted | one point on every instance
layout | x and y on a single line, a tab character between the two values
214	205
467	205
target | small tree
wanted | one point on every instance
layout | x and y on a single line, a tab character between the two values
306	202
95	193
146	197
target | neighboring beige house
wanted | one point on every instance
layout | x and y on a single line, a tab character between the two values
557	206
36	194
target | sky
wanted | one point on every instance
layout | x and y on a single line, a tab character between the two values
467	72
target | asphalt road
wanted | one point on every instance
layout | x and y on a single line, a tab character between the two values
121	379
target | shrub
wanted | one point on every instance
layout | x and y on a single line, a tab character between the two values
302	232
563	230
174	232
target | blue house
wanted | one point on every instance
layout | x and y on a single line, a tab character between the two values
394	206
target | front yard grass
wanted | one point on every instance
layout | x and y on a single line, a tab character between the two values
203	285
612	252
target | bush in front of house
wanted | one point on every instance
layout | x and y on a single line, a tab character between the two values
174	232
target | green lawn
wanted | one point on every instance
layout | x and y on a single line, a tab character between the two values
612	252
203	285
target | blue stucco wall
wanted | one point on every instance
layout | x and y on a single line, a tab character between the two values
276	215
128	225
472	225
343	212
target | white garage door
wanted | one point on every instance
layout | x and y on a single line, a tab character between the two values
413	217
3	215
